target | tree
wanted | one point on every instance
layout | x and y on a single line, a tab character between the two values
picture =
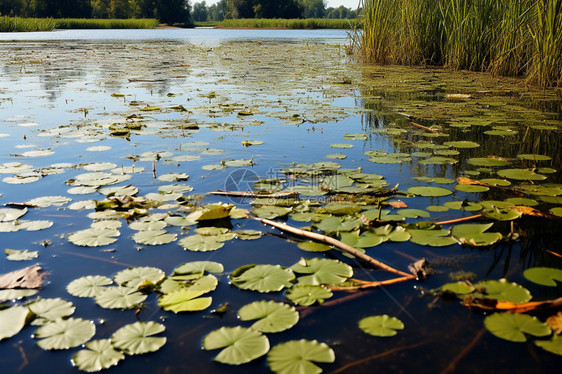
172	11
263	9
313	8
216	12
200	12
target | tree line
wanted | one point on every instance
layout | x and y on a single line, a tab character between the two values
166	11
268	9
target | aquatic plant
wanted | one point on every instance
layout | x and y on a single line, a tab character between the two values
19	24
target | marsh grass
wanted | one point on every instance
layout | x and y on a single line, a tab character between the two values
19	24
280	23
88	23
505	37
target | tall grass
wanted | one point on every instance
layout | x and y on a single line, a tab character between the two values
18	24
280	23
88	23
505	37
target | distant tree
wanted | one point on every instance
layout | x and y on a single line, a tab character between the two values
172	11
263	9
313	8
341	12
200	12
216	12
120	9
11	7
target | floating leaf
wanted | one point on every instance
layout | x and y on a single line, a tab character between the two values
461	288
297	356
544	276
514	326
341	145
137	338
271	316
173	177
248	234
12	320
271	211
471	188
322	271
521	174
15	294
23	255
307	295
184	300
47	201
487	161
94	237
199	266
462	144
241	345
504	291
463	205
311	246
211	212
98	355
87	286
557	211
475	235
433	237
383	325
262	278
553	346
64	333
10	214
200	243
533	157
134	277
51	309
154	237
429	191
118	297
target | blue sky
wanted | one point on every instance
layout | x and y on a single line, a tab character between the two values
331	3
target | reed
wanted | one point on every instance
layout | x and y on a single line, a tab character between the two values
19	24
505	37
280	23
88	23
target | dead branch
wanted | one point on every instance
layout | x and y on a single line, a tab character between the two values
469	218
424	127
365	284
275	195
335	243
486	305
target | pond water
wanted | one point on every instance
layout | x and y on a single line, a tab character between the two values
138	106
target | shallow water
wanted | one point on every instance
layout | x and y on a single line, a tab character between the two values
56	94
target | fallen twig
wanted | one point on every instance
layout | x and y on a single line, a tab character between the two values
453	364
154	169
424	127
366	284
459	220
275	195
336	243
507	306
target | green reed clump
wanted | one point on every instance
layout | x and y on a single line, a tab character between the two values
280	23
19	24
505	37
89	23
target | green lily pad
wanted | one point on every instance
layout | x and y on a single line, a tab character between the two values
148	225
331	224
134	277
382	325
200	243
533	157
434	237
16	294
462	144
11	214
316	271
306	295
271	316
118	297
475	235
333	182
514	326
461	288
521	174
64	333
211	212
94	237
51	309
262	278
462	205
341	145
297	356
98	355
429	191
87	286
412	213
522	201
487	161
138	338
199	266
502	214
472	188
556	211
311	246
184	300
553	346
271	211
173	177
356	136
436	208
248	234
504	291
240	345
544	276
12	320
496	182
20	255
154	237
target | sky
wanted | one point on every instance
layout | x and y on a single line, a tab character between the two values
331	3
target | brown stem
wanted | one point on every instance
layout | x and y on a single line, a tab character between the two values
253	194
379	355
336	243
154	169
365	284
452	365
459	220
93	258
423	127
309	310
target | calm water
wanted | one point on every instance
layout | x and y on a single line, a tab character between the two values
57	93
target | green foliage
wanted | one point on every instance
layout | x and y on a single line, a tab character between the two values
80	23
18	24
279	23
240	345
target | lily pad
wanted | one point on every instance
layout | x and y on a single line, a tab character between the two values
271	316
87	286
429	191
514	326
533	157
199	266
11	214
200	243
138	338
12	320
119	297
311	246
134	277
94	237
472	188
98	355
20	255
307	295
240	345
297	356
262	278
316	271
51	309
475	235
553	346
487	161
64	333
521	174
431	237
504	291
544	276
461	288
462	144
184	300
154	237
382	325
